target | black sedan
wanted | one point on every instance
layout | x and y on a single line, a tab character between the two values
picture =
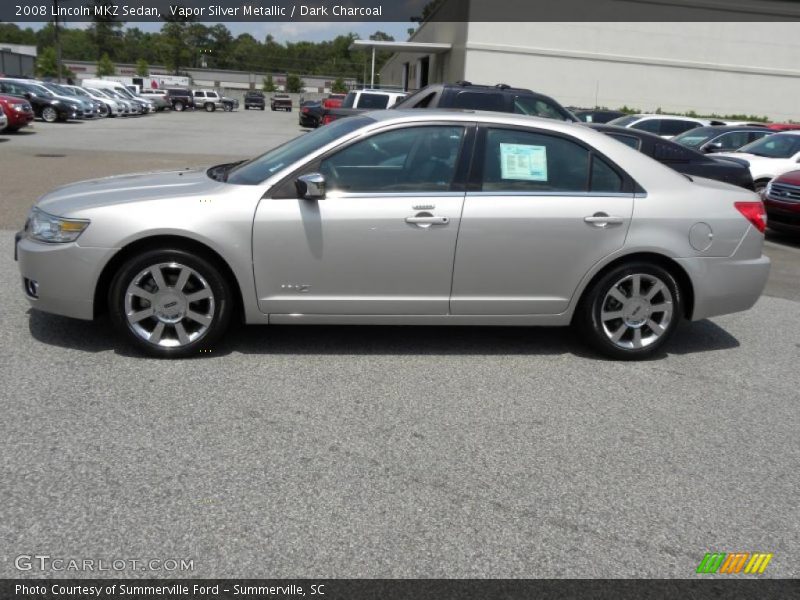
721	138
684	160
310	114
47	108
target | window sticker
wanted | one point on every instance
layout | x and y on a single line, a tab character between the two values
522	162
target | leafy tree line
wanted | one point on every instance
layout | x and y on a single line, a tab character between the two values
183	44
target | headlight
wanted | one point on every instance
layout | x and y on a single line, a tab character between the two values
18	107
48	228
768	191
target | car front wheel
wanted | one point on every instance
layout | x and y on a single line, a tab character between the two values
178	106
49	114
210	107
631	311
170	303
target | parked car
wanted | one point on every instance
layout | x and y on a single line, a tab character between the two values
208	100
115	108
539	223
16	113
720	138
180	98
310	114
45	105
129	108
105	107
770	156
360	101
157	97
230	104
665	126
498	98
782	202
680	158
89	110
281	102
783	126
333	101
254	99
597	116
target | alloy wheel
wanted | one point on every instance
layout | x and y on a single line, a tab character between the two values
49	114
636	311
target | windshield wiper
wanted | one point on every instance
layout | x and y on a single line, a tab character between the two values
220	172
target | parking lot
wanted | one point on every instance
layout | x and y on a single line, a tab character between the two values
379	451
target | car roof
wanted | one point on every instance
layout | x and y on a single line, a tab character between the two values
726	128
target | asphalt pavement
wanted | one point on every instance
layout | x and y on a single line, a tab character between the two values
388	452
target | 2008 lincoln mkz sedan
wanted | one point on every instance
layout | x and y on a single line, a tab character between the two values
417	217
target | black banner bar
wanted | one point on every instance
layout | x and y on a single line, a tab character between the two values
400	10
405	589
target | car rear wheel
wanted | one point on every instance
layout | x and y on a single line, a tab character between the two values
170	303
210	107
49	114
631	311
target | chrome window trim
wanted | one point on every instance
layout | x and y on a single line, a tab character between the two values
560	194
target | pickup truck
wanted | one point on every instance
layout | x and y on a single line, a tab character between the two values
281	102
359	101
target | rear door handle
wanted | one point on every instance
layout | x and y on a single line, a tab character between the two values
603	220
428	220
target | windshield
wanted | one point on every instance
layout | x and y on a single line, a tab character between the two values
97	92
694	138
623	121
774	146
261	168
40	90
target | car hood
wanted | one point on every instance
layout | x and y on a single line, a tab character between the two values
121	189
790	178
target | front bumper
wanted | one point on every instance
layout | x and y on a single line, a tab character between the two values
783	216
66	275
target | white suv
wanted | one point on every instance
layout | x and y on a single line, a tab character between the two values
208	99
666	126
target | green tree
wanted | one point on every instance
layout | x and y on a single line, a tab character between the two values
46	63
174	42
294	84
105	66
269	84
339	86
105	31
142	68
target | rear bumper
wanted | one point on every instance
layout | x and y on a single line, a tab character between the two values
725	285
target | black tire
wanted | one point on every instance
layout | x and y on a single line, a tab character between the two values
599	332
210	107
761	185
263	107
246	107
49	114
178	106
206	275
228	108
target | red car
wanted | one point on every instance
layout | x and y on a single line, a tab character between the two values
333	101
782	201
18	111
782	126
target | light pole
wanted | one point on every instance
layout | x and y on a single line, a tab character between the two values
58	40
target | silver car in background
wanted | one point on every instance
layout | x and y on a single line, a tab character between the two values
403	217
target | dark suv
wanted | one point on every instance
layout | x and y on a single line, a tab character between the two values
180	98
498	98
254	99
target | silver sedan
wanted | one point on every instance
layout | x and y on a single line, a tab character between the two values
394	217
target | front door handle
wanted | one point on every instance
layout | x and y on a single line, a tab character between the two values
602	219
427	220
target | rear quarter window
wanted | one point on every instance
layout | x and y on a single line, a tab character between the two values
478	101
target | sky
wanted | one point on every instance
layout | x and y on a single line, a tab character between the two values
284	32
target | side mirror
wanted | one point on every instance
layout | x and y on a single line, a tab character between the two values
713	147
310	186
28	95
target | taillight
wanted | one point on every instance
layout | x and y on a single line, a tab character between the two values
305	110
753	212
326	119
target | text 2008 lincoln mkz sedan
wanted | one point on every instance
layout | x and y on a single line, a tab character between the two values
421	217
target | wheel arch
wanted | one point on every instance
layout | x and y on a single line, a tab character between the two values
677	271
165	241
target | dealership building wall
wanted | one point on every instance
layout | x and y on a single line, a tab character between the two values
723	68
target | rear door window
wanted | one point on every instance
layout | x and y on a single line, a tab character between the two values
649	125
673	127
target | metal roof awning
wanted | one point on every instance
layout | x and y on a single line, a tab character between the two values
412	47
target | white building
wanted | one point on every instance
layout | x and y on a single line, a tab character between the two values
724	68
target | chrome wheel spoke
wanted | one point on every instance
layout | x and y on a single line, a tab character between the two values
617	295
157	333
182	279
660	308
183	338
158	277
637	338
657	287
141	315
140	293
201	295
656	328
202	319
617	335
636	286
611	315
